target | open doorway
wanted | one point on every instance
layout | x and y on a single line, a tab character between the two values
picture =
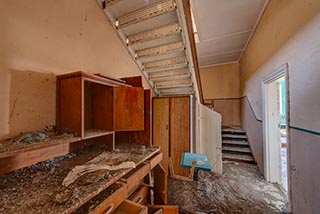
275	110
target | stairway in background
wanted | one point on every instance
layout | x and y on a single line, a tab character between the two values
158	37
235	146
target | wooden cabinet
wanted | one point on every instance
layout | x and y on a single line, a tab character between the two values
133	178
92	106
129	207
107	201
171	123
141	195
128	109
163	209
129	194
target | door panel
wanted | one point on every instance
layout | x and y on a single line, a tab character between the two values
161	127
273	136
179	132
128	109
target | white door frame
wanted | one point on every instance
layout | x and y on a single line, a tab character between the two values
282	71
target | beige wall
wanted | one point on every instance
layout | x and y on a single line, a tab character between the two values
281	20
289	32
229	110
219	84
41	38
220	81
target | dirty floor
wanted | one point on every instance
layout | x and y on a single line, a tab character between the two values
240	190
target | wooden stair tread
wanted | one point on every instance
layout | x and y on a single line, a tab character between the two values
235	142
237	157
234	136
236	149
232	130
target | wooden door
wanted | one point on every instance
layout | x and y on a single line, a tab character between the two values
179	132
128	109
144	137
161	128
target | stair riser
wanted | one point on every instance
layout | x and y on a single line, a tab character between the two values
236	145
234	133
234	139
160	50
236	152
162	32
146	13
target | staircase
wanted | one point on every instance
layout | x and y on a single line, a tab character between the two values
235	146
158	36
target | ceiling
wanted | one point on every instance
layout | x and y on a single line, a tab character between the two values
224	28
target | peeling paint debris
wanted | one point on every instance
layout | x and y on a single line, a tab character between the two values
241	189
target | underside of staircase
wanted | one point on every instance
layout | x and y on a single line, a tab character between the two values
157	35
235	146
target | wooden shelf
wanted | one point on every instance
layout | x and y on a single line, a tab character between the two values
95	78
92	133
86	102
18	156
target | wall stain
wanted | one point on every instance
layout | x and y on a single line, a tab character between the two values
13	106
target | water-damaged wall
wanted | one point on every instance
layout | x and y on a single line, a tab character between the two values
40	39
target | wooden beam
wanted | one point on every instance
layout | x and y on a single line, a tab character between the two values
187	12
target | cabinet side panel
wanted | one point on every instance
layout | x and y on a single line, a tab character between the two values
160	185
128	109
179	132
70	105
161	127
102	107
87	105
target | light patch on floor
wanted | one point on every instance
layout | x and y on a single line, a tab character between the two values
284	173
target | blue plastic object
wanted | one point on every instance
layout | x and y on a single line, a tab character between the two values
202	162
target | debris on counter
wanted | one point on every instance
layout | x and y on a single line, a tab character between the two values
30	139
101	162
50	128
38	188
33	137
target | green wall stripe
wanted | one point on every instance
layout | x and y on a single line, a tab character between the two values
259	120
305	130
228	98
291	127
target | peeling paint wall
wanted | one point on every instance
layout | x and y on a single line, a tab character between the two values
289	32
40	39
